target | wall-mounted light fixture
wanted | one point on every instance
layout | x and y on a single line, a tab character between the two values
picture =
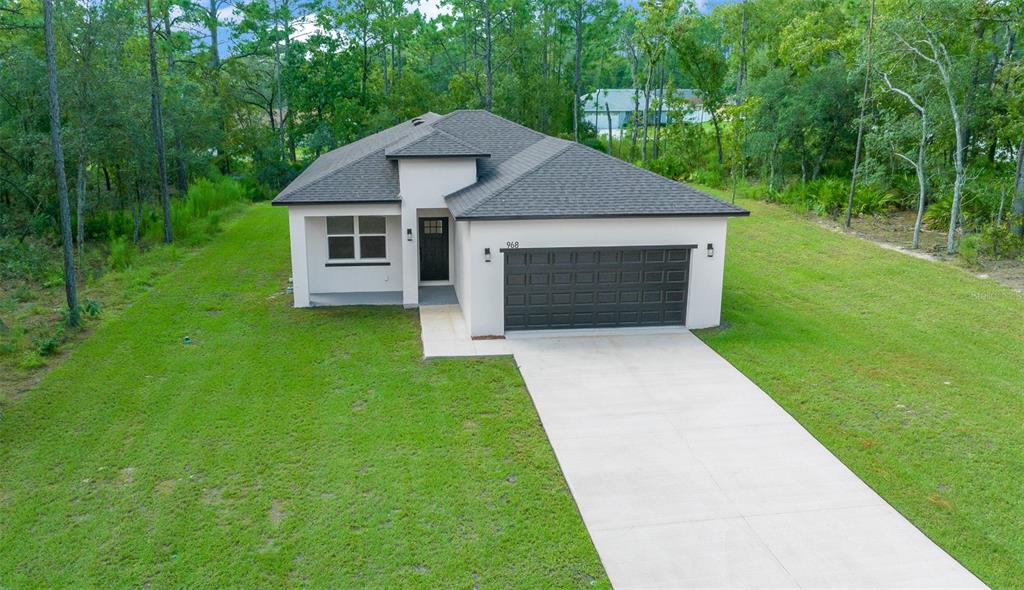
711	251
487	254
408	234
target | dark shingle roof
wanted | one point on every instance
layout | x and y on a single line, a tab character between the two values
558	178
528	174
432	143
356	172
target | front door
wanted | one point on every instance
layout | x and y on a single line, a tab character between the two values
433	248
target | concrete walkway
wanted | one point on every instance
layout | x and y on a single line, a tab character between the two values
687	475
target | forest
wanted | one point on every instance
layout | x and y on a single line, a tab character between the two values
125	124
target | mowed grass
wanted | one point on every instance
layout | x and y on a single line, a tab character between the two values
911	372
282	447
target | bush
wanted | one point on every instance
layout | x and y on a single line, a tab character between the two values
122	253
48	345
830	196
969	248
26	259
712	177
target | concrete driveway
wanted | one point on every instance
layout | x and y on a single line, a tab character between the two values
687	475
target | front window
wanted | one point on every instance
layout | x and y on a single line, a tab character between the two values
357	238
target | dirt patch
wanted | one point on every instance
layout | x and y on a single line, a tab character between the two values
895	231
213	495
277	512
127	476
166	486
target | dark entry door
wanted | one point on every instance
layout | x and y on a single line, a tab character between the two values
596	287
433	248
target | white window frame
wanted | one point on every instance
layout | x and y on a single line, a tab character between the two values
355	235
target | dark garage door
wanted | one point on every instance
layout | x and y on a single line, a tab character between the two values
596	287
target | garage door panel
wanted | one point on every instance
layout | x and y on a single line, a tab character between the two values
596	287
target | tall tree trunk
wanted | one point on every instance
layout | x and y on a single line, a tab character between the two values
1017	205
718	138
860	123
741	74
213	24
80	205
70	290
658	112
158	127
611	139
488	55
922	148
181	180
577	78
647	110
136	213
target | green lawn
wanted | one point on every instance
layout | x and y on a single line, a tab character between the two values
315	447
282	447
911	372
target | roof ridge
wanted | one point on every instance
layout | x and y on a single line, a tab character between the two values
433	130
522	176
521	126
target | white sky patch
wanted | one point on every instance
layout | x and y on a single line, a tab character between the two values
430	9
228	15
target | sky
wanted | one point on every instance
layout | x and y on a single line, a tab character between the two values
429	8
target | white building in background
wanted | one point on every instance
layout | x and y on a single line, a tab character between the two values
619	104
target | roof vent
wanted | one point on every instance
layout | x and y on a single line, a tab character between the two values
416	121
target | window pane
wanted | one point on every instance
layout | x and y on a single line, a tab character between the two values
341	247
372	225
433	226
372	247
340	225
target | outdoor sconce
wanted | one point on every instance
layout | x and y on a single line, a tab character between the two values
408	234
711	251
487	254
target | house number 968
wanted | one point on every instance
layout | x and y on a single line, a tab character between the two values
512	244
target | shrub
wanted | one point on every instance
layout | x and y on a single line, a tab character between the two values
712	177
32	360
47	345
122	253
26	259
91	308
969	248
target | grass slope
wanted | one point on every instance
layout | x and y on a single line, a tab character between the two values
911	372
281	448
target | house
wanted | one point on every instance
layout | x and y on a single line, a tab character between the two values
618	105
527	231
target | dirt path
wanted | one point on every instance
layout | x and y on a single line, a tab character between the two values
894	231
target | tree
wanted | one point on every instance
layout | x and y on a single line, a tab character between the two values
919	163
860	121
70	290
698	49
156	118
933	51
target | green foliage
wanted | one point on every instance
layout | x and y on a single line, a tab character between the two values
28	258
91	308
121	253
830	196
49	344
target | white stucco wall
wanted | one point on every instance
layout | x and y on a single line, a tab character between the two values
463	244
423	183
485	289
308	227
